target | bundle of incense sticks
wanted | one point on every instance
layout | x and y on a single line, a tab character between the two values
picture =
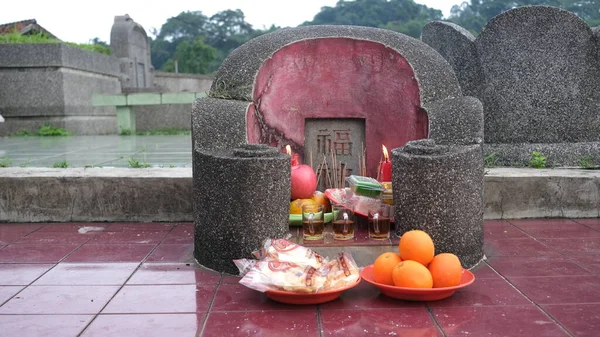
334	175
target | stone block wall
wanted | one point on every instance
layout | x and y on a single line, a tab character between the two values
53	84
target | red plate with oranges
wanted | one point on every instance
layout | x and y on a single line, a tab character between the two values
417	294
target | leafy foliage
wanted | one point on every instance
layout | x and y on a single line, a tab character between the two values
134	163
5	161
538	160
476	14
62	164
15	37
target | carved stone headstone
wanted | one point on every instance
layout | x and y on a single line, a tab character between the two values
129	42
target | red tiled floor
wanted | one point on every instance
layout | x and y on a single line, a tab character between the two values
156	299
182	233
59	300
173	273
21	273
581	320
548	229
379	322
146	325
173	253
527	266
516	247
110	253
53	288
74	227
43	325
262	323
497	321
87	274
560	289
35	253
6	292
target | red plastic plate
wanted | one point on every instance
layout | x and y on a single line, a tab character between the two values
417	294
308	298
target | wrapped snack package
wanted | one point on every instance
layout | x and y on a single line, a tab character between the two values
284	265
283	250
269	274
343	271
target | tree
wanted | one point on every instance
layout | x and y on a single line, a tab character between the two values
404	16
192	57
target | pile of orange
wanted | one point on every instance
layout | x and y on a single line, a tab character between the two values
416	265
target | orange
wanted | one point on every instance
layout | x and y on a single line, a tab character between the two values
296	205
416	245
411	274
320	198
383	267
445	270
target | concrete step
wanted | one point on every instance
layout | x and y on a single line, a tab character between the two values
165	194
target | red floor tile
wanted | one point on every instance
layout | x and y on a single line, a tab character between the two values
44	238
581	320
516	247
12	232
87	274
74	227
574	246
43	325
230	279
556	229
59	300
544	222
497	321
156	299
21	273
127	237
146	325
236	297
35	253
589	262
6	292
365	295
483	292
501	229
173	253
182	234
379	322
174	273
560	289
593	223
141	227
528	266
110	253
483	270
262	323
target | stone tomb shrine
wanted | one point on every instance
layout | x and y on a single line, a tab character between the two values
345	89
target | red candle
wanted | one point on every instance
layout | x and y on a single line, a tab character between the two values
385	171
288	149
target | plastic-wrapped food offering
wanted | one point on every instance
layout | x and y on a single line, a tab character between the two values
284	265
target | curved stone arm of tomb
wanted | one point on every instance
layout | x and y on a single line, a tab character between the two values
456	121
235	78
218	124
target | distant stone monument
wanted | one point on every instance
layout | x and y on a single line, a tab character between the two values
129	42
276	88
536	70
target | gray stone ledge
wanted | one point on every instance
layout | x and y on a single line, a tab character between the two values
165	194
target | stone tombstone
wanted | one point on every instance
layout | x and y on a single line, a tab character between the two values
457	46
539	74
129	42
330	83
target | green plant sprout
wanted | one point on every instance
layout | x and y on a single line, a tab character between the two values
134	163
538	160
61	164
491	160
5	161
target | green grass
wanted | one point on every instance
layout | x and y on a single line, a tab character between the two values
134	163
5	161
587	163
16	37
44	131
491	160
538	160
61	164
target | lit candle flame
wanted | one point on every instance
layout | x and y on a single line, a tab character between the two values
288	149
385	153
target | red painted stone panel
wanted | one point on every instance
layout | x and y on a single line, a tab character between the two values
337	78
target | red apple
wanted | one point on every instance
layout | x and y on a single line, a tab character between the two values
304	182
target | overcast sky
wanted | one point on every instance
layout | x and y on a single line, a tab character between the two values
80	20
